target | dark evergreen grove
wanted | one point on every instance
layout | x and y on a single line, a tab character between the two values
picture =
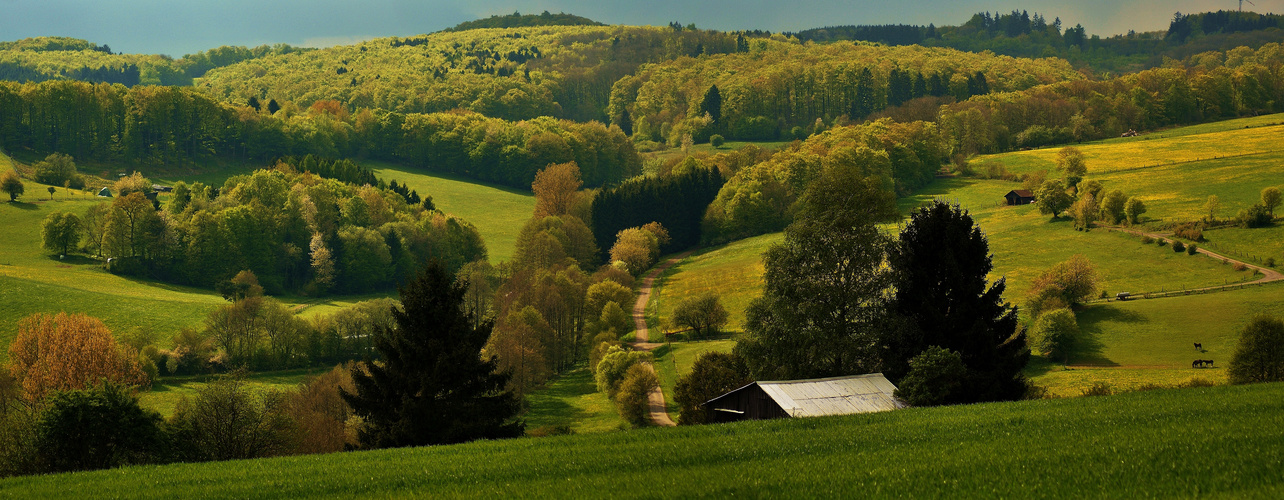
939	267
433	387
677	202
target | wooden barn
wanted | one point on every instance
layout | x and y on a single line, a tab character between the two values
1019	197
805	398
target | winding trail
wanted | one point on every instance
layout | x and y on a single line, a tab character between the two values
1268	275
642	339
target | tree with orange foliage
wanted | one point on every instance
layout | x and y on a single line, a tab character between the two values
68	351
556	189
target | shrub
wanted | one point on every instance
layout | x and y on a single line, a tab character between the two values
635	390
99	428
1192	249
1034	391
1254	216
1239	266
58	169
1190	231
1055	333
1178	246
1099	389
1161	242
933	375
19	454
1146	240
1270	262
614	365
716	140
702	313
1260	354
713	374
228	421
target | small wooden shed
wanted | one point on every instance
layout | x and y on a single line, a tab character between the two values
1019	197
104	192
805	398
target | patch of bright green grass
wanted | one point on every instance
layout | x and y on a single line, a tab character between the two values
1143	341
1220	441
572	399
673	361
1250	245
165	393
733	271
1175	171
727	147
498	212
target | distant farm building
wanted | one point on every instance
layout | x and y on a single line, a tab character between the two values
162	189
104	192
805	398
1019	197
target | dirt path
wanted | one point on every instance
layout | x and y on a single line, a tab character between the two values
1268	275
642	337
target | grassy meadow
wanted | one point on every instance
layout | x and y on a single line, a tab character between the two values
165	393
672	361
573	400
1221	441
498	212
734	271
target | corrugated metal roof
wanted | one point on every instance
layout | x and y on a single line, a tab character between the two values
833	396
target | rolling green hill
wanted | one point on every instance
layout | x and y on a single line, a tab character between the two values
1166	443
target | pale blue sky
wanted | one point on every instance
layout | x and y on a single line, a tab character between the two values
181	27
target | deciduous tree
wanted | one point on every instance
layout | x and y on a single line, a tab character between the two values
68	351
1260	354
713	374
1052	198
1065	284
1055	333
60	232
1073	166
1271	199
556	188
702	313
823	305
1133	209
10	183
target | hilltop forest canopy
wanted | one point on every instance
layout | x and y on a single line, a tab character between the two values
175	124
518	20
1022	34
61	58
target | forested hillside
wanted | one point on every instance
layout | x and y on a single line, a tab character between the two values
1025	34
60	58
518	20
774	86
177	124
515	74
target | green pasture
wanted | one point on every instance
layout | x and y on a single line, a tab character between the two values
672	361
706	148
1151	341
1222	441
1249	245
166	392
498	212
733	271
572	399
1175	171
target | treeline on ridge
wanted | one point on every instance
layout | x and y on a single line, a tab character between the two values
176	124
1022	34
519	20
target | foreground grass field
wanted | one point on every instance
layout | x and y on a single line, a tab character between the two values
1223	441
498	212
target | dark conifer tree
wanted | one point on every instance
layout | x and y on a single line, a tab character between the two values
273	107
939	267
254	103
432	386
712	103
863	102
626	123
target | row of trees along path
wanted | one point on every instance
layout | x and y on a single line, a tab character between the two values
642	338
1268	275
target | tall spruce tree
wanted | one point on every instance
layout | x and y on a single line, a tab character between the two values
939	267
432	385
712	103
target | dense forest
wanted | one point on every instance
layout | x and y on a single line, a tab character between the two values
1022	34
61	58
518	20
175	124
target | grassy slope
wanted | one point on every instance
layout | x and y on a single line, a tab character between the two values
572	399
165	394
1222	441
31	281
498	212
674	360
1175	171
